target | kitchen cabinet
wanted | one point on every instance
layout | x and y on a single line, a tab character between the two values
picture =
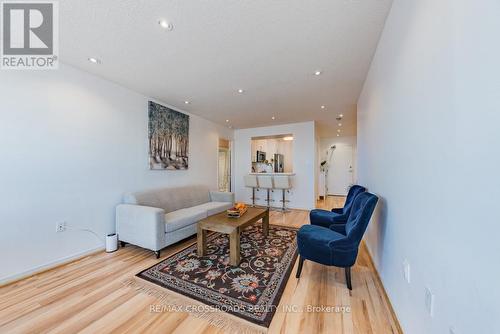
272	146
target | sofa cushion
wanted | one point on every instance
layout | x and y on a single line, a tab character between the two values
184	217
315	243
216	207
170	199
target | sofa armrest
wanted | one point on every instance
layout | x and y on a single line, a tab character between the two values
143	226
219	196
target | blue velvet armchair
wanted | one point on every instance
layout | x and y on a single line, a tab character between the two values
326	246
338	216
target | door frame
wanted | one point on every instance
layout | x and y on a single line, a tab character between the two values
230	151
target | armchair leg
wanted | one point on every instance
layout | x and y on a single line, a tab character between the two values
299	268
348	277
157	253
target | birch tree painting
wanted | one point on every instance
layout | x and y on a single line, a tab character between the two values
168	138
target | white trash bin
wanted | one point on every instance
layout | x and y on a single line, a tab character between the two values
111	242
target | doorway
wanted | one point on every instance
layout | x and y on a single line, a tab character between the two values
340	172
224	165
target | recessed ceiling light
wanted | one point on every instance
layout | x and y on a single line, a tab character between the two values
341	115
338	130
240	91
273	118
338	135
165	24
340	124
323	107
187	102
230	126
94	60
227	121
317	73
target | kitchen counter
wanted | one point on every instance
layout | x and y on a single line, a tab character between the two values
289	174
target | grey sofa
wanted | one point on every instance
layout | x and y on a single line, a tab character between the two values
157	218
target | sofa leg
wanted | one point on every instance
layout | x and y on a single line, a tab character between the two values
122	243
348	277
299	268
157	253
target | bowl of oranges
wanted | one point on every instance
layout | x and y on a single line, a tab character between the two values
237	210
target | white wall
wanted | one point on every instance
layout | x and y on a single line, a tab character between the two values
324	146
428	135
302	195
317	159
70	145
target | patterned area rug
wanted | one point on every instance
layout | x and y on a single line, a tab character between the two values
251	291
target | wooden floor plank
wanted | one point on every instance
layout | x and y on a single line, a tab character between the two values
87	296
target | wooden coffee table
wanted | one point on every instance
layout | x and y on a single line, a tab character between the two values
233	226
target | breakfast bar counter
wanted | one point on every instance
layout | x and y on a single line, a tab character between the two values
272	174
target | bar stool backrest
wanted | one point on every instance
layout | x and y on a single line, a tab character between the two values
265	181
251	181
282	182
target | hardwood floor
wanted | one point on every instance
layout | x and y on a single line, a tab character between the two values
87	296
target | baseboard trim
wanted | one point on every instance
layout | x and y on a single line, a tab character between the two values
379	281
48	266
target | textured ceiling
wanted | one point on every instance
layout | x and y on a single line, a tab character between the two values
268	48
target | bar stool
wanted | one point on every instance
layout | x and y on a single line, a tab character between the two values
266	182
283	182
251	182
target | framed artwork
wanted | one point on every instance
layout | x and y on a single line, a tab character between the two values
168	138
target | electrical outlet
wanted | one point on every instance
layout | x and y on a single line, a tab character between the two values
429	301
61	227
406	270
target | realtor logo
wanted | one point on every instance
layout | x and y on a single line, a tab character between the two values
29	35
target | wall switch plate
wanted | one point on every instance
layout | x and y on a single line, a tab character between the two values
61	227
429	301
406	270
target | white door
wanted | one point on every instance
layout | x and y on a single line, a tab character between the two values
340	176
